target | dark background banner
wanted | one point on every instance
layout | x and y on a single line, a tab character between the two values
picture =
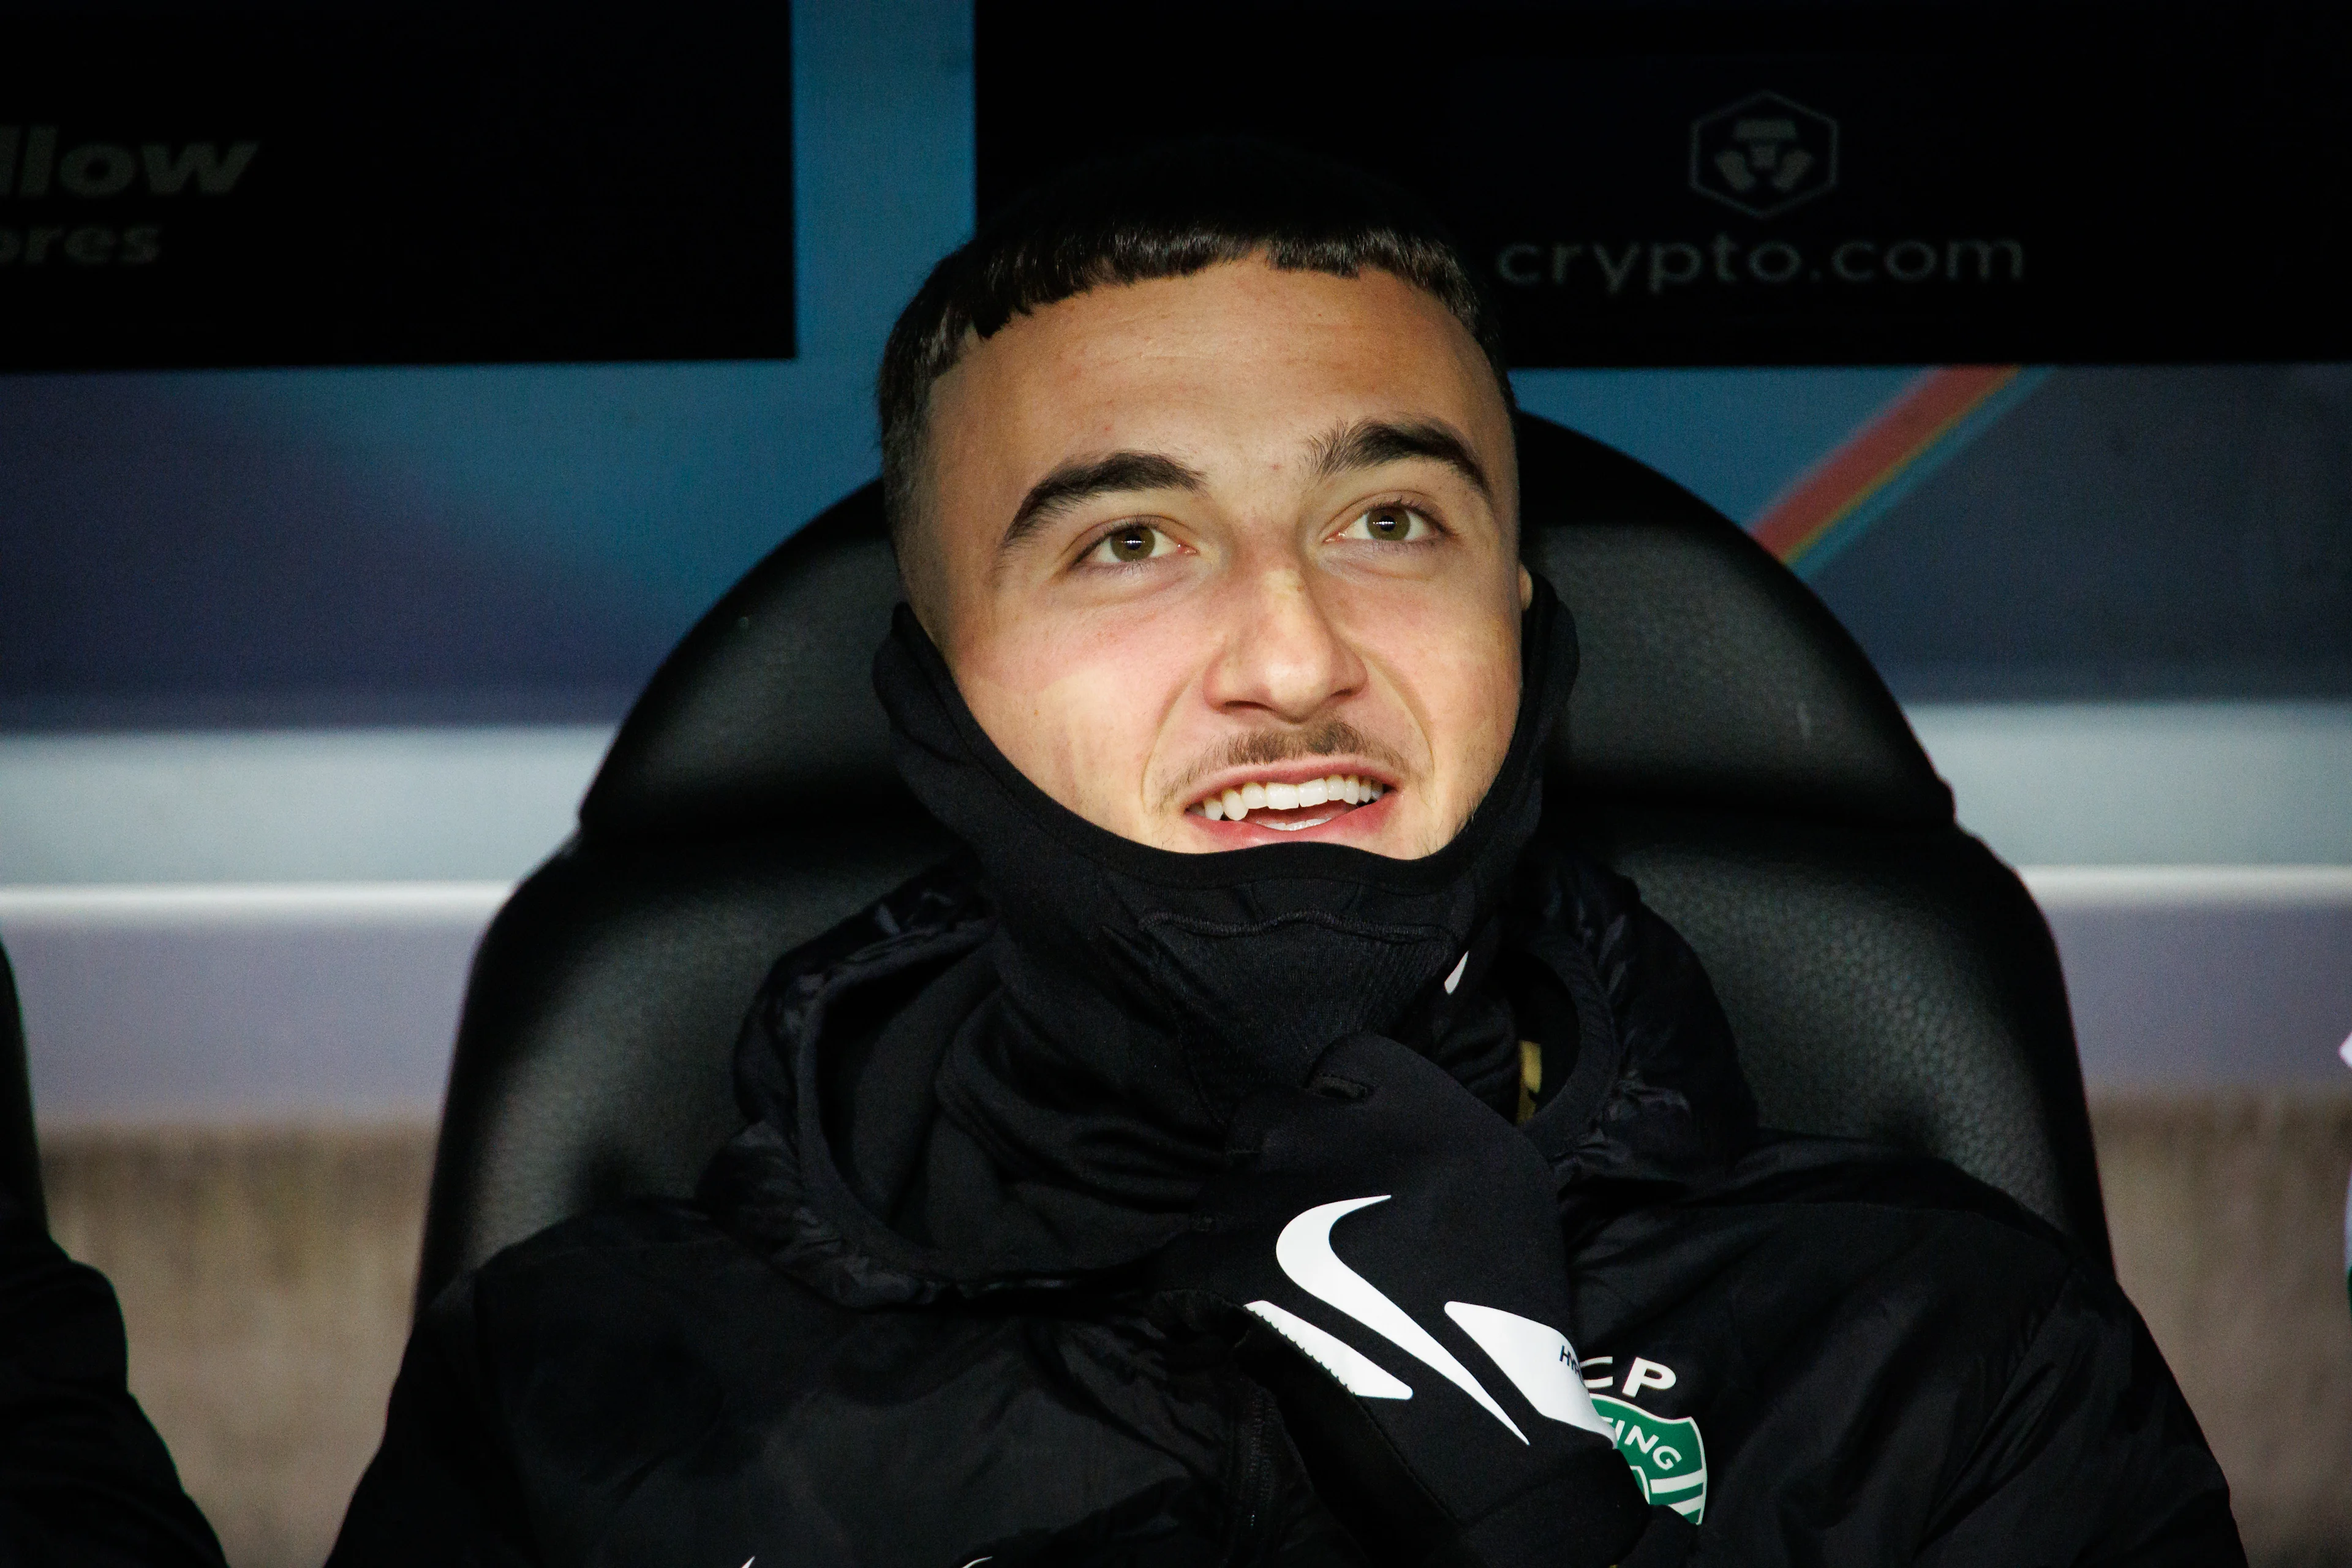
188	186
1774	183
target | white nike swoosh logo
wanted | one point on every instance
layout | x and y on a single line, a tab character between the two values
1356	1373
1304	1250
1538	1361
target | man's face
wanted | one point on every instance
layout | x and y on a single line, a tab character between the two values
1230	559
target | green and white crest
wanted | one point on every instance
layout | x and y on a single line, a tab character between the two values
1667	1456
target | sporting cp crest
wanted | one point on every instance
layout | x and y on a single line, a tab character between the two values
1667	1456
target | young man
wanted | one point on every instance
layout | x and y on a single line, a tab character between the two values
1267	1146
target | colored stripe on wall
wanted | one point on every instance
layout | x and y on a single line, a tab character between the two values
1833	503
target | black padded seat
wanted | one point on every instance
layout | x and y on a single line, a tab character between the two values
20	1152
1729	747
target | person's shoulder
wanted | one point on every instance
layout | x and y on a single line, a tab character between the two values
1844	1183
1840	1213
638	1228
1798	1168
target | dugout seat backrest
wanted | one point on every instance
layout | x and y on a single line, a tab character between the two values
1729	747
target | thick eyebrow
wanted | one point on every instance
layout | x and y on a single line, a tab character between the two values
1368	443
1074	482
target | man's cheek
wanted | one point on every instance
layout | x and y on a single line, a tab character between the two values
1467	688
1449	621
1458	669
1105	717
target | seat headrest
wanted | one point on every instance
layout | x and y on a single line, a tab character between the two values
1711	677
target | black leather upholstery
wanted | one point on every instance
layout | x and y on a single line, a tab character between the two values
20	1153
747	803
1728	746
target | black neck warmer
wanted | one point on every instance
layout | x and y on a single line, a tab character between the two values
1142	992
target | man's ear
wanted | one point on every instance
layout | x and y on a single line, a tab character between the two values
1527	587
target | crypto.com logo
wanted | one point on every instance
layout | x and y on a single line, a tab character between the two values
1764	154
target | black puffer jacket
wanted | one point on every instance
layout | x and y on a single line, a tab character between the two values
1820	1351
912	1322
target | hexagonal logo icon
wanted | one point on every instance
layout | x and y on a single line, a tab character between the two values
1764	154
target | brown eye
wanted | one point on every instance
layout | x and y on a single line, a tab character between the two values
1389	525
1130	542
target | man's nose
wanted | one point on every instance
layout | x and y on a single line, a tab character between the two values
1282	655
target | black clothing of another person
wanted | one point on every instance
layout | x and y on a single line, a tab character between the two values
84	1480
914	1315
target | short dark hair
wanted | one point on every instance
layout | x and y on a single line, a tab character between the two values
1168	212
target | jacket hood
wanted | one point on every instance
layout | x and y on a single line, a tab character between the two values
838	1066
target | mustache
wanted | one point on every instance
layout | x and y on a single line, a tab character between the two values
1329	737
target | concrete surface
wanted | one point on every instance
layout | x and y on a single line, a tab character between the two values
265	1277
2227	1216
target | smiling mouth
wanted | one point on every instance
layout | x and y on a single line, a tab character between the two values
1292	806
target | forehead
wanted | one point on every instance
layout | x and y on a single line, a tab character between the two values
1238	355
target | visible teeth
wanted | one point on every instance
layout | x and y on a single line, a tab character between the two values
1236	803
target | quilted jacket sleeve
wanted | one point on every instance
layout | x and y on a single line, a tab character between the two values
441	1489
2091	1456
